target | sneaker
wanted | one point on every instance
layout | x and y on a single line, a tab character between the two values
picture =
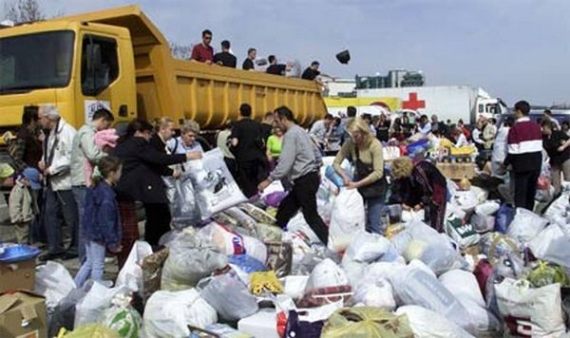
51	256
69	255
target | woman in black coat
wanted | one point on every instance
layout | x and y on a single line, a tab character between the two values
143	166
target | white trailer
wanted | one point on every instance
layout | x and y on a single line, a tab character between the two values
447	102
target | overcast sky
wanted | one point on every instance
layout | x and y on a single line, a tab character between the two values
514	49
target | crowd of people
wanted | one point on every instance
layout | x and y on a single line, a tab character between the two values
204	52
88	183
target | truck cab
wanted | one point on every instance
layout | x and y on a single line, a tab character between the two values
76	66
489	108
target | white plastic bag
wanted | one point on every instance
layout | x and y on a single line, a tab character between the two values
466	200
54	282
298	225
168	314
463	285
530	312
558	208
488	208
191	258
413	286
223	239
526	225
215	186
97	300
230	297
376	293
183	207
551	244
255	248
294	286
430	247
367	247
122	318
347	219
326	274
430	324
131	275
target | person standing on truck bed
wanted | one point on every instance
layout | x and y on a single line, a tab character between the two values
248	62
276	68
203	52
311	72
225	58
248	146
56	164
84	149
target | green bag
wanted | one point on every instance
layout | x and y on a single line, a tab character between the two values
123	319
364	322
546	274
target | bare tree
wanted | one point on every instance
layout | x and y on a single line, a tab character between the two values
20	11
179	51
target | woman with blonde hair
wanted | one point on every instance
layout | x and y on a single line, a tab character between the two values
365	152
421	185
187	141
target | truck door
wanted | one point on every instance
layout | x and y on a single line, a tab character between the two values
106	77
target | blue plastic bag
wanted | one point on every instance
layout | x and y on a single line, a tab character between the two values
332	175
247	263
418	147
504	217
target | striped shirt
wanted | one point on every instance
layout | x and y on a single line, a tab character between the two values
524	145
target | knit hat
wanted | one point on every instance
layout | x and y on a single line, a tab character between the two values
6	171
33	176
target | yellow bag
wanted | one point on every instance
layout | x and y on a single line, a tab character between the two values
89	331
462	151
263	282
364	322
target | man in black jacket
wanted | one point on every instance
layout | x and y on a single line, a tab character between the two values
225	58
248	146
143	166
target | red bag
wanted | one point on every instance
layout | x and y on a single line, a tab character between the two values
482	272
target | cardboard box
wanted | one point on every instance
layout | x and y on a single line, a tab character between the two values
18	276
457	171
23	315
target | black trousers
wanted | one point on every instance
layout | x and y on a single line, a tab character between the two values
157	222
304	196
525	188
250	174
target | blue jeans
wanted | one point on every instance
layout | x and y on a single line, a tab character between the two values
374	213
59	207
94	264
79	193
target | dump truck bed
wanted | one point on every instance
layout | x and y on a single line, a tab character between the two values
209	94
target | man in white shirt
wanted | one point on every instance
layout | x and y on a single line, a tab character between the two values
425	126
56	167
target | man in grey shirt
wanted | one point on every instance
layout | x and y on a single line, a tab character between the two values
320	130
298	162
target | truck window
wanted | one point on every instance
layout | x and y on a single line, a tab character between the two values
99	64
481	108
34	61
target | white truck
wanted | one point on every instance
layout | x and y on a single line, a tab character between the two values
447	102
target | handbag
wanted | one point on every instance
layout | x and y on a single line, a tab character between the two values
374	190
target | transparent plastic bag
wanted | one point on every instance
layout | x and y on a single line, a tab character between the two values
230	297
183	207
190	259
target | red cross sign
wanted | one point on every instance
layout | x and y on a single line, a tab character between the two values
413	103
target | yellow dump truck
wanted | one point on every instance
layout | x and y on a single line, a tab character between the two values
119	59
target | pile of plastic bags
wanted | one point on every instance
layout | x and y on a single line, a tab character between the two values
495	271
